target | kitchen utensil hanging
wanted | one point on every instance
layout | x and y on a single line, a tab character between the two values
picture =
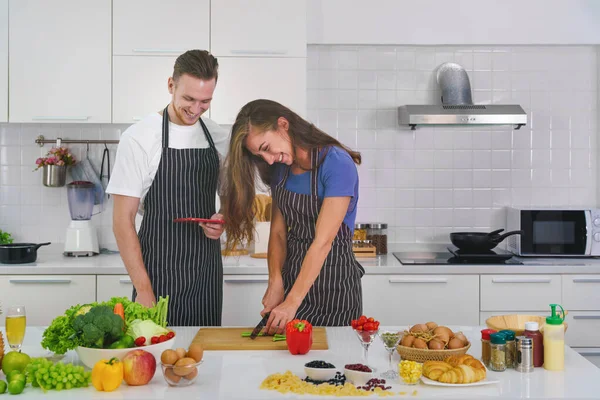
105	156
479	241
84	171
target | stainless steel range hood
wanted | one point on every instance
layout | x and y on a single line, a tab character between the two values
457	108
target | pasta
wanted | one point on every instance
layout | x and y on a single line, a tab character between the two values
290	383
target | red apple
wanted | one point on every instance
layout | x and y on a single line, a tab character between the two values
139	367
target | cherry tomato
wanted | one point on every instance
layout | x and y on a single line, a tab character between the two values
154	339
162	338
170	335
140	341
370	319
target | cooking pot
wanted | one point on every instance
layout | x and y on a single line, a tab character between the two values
19	253
479	241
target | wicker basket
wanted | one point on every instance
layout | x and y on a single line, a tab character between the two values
516	322
422	355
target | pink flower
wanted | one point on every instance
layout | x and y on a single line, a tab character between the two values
56	156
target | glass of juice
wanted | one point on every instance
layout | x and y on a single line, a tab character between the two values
15	326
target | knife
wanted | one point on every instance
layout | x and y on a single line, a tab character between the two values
259	327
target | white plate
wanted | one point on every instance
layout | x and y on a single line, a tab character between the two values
431	382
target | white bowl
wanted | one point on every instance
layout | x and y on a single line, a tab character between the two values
89	357
357	378
320	374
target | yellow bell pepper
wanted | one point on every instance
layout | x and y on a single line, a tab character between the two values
107	375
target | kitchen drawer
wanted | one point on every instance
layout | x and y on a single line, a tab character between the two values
109	286
591	354
581	292
45	297
583	329
519	292
242	299
410	299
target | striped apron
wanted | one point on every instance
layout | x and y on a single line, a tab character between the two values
181	261
336	296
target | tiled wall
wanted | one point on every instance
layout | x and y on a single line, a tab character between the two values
432	181
30	211
424	183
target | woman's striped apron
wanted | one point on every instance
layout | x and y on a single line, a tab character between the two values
336	296
181	261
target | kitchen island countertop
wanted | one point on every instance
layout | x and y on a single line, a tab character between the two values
51	262
238	374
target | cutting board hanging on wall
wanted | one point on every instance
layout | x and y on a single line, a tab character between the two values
231	339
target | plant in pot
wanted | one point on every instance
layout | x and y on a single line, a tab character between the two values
55	165
5	237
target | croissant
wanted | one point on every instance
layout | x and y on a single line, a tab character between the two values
462	374
465	359
434	369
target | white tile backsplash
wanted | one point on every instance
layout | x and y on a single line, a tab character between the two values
446	178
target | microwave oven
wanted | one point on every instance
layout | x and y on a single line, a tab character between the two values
554	232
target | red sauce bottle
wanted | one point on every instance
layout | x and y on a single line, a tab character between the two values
532	331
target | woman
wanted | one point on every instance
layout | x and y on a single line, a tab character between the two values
313	273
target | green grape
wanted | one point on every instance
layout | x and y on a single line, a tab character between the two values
47	375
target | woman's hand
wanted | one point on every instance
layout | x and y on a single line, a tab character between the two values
280	316
273	297
213	231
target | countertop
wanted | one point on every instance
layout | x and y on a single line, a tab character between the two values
51	261
238	374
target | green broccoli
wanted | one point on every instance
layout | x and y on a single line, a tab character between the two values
99	327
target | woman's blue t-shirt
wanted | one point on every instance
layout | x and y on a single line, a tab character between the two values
337	177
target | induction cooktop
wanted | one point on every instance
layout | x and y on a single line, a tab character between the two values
456	256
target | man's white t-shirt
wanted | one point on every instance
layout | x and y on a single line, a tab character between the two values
139	152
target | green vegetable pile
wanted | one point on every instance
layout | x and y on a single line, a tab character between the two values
5	237
71	330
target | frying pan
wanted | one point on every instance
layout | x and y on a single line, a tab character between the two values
479	241
19	253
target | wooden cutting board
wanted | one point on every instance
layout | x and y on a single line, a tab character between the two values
231	339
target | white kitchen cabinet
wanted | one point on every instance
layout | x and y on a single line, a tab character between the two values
244	79
583	328
270	28
519	292
410	299
581	292
242	297
60	61
108	286
140	86
45	297
591	354
154	27
3	60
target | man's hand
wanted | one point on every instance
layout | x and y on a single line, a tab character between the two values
213	231
146	299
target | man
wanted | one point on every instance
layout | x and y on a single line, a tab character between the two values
167	167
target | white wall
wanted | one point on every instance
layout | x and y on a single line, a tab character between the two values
432	181
511	22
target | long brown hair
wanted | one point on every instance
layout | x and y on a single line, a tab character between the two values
242	167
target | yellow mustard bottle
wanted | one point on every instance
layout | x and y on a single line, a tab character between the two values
554	340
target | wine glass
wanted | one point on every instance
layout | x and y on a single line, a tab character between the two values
366	338
15	326
390	340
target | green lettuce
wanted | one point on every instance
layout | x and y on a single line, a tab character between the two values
146	328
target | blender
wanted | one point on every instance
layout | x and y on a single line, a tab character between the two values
81	239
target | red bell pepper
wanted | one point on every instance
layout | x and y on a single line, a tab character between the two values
298	336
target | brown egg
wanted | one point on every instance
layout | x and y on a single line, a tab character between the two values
169	357
435	344
170	375
195	351
180	352
192	374
419	328
407	340
419	344
442	333
455	343
460	336
431	325
184	366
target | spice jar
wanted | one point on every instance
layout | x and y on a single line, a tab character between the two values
498	356
511	348
486	348
360	232
532	331
524	359
377	233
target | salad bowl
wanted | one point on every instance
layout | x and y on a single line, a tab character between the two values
89	356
